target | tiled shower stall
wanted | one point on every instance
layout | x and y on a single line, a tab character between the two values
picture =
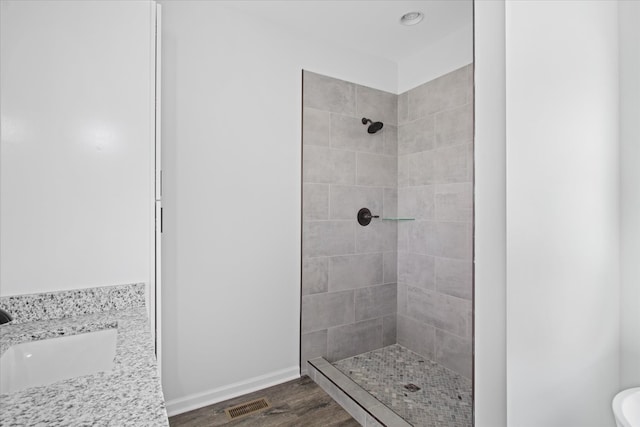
406	278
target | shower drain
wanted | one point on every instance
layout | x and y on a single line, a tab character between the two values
411	387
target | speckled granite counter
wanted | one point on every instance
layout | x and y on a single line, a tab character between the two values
128	395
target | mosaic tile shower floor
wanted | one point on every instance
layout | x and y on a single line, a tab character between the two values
444	399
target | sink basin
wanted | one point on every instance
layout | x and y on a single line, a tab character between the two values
44	362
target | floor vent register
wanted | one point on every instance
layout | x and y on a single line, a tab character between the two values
247	408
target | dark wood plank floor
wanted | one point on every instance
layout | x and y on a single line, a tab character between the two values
295	403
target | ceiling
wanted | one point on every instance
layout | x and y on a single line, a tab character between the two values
367	26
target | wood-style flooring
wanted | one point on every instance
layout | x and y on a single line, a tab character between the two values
295	403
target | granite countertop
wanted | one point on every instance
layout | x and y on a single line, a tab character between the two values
130	394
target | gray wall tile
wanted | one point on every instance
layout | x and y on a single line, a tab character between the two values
348	133
403	171
321	311
390	203
390	267
316	127
416	202
377	170
312	345
416	270
422	168
376	301
322	238
453	164
454	126
355	271
346	201
325	166
328	94
389	330
349	340
390	134
442	311
377	105
454	277
378	236
403	108
416	237
402	299
453	240
416	336
454	353
417	135
443	93
454	202
315	201
315	275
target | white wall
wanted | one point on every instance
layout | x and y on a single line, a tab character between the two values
629	13
490	383
76	144
438	58
232	182
562	213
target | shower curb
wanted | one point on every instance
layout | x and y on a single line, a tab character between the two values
361	405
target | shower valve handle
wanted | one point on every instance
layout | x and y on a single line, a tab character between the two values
364	216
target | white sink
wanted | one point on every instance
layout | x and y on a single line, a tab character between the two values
44	362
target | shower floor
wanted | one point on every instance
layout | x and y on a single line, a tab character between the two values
444	399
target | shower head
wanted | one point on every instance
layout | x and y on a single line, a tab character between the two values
373	127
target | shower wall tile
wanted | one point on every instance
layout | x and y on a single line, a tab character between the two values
417	237
348	133
316	127
454	353
378	236
315	201
417	202
377	170
389	330
403	171
328	94
313	344
346	201
454	277
422	168
325	166
390	267
390	134
442	311
390	203
443	93
452	240
453	164
416	270
454	202
349	340
375	301
454	126
416	336
377	105
315	275
345	169
403	108
417	136
325	238
322	311
355	271
402	299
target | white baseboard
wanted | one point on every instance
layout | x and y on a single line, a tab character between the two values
220	394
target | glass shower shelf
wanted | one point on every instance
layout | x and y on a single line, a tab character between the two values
398	219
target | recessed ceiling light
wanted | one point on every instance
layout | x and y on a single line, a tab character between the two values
411	18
